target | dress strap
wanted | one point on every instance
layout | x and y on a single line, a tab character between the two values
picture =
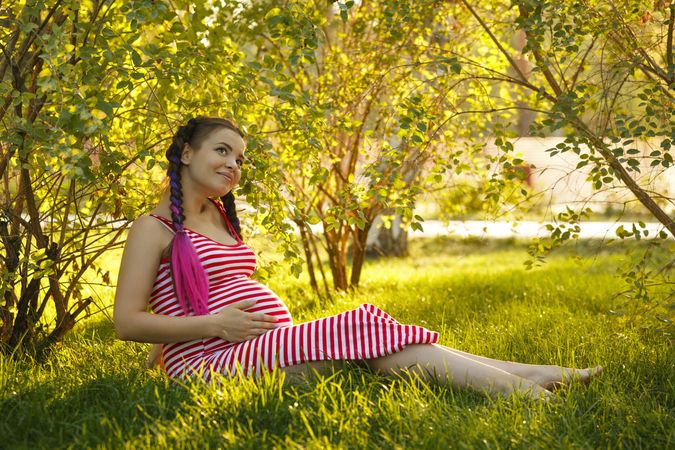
220	207
167	223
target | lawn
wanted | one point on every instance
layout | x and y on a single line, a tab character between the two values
93	391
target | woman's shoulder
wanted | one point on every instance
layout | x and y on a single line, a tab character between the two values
159	210
149	235
146	224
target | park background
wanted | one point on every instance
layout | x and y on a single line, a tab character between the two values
365	121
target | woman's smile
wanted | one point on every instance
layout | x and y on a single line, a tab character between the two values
226	175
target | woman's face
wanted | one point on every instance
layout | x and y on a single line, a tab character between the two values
215	167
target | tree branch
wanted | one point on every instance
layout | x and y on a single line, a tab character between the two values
669	42
512	62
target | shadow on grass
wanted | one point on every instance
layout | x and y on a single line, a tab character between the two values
88	407
111	408
350	407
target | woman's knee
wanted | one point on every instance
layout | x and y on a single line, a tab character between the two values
413	358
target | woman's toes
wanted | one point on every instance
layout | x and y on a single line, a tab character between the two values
570	376
594	372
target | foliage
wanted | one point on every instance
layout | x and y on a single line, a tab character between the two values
89	94
364	118
601	73
351	111
64	190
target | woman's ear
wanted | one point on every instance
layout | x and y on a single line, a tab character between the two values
186	155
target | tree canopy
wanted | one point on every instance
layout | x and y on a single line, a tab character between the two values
351	110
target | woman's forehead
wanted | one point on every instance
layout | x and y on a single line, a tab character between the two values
226	136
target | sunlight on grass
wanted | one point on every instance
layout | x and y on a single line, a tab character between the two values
94	392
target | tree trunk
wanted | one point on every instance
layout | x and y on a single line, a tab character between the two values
308	257
337	268
358	254
387	242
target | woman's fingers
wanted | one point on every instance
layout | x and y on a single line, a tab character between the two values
266	325
239	325
263	321
244	304
262	317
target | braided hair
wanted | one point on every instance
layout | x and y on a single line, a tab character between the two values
189	278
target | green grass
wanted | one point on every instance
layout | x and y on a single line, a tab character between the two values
93	391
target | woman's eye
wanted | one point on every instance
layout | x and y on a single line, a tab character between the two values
240	162
222	150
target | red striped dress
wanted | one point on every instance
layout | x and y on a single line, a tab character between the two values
362	333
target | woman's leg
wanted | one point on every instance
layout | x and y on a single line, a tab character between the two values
437	362
298	372
432	361
547	376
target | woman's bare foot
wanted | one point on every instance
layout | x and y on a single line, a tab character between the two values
533	392
558	377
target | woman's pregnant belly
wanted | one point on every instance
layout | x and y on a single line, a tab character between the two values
176	356
243	288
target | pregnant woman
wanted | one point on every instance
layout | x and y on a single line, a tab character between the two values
187	261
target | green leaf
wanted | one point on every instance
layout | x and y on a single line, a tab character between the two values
136	58
272	13
97	113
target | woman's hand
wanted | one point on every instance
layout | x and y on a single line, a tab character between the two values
153	356
233	324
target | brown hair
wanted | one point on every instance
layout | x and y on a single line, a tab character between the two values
189	277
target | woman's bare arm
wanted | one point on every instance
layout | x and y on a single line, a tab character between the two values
138	269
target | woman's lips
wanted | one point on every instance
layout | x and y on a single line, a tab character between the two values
227	176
